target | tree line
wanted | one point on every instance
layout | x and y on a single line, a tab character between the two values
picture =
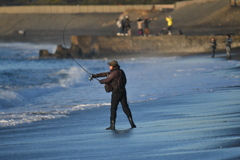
83	2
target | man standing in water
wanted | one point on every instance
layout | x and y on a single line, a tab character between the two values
116	81
228	43
214	46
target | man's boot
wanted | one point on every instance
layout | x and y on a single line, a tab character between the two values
131	122
112	125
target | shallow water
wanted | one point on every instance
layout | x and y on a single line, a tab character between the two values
184	108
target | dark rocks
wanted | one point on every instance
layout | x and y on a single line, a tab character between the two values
132	46
43	53
62	53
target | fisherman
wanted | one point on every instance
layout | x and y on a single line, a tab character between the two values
228	43
115	83
213	44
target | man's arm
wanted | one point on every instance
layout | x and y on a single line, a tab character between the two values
104	74
109	78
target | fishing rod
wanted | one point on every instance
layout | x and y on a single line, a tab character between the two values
90	78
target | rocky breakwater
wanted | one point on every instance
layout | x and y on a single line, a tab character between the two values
165	45
62	53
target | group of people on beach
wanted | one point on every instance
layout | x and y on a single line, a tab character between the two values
145	22
123	23
227	42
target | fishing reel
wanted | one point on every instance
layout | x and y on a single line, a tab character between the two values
90	78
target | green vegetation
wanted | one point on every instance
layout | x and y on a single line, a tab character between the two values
83	2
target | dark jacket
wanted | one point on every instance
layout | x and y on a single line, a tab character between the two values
228	42
214	44
116	78
146	22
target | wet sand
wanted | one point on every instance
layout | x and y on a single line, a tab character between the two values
199	126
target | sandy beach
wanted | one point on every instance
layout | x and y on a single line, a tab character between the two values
169	128
185	108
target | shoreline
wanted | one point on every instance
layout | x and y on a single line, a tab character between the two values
53	41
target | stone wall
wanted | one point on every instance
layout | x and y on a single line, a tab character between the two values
77	9
63	9
107	46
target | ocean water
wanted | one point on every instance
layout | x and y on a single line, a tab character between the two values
184	108
33	89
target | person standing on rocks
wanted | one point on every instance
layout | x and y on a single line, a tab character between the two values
213	44
115	83
169	24
123	26
228	43
127	26
119	25
146	26
139	25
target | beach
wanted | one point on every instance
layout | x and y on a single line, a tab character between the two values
169	128
184	107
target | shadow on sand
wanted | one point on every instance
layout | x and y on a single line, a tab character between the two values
119	133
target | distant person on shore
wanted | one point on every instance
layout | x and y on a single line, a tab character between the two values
22	32
163	31
169	24
116	81
146	26
180	32
213	44
119	25
139	25
228	43
127	26
123	26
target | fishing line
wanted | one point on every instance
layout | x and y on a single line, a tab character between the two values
70	53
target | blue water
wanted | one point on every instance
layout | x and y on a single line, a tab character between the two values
33	89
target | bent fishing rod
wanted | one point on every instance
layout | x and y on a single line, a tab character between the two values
90	78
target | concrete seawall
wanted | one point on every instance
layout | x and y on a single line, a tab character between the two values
109	46
64	9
